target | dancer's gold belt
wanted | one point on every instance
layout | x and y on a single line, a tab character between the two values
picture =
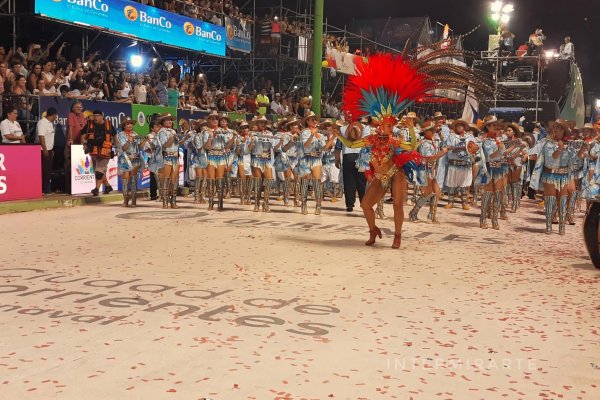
388	175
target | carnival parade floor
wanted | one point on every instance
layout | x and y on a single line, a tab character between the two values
105	302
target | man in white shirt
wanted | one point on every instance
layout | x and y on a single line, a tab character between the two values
45	137
10	129
567	50
276	105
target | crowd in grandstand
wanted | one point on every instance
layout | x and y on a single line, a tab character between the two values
207	10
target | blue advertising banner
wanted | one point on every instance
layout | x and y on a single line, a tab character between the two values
116	112
239	35
138	20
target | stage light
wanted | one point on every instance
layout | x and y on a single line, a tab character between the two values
505	18
295	87
136	60
507	9
276	18
496	17
550	53
155	60
496	6
200	75
597	103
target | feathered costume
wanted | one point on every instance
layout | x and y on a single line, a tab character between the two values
382	89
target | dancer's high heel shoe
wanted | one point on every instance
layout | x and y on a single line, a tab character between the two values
397	240
375	232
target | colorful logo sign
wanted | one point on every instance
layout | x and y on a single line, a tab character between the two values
131	13
189	28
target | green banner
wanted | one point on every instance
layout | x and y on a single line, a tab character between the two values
574	108
141	113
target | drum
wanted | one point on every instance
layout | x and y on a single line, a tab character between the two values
591	232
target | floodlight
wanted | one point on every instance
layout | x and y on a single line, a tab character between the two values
136	61
507	9
505	18
496	6
496	17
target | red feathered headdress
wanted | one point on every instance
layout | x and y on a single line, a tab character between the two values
383	87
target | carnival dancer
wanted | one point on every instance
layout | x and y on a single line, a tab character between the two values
167	141
553	172
260	148
314	143
292	146
517	160
244	172
459	175
442	133
589	186
198	158
578	168
219	141
155	160
383	88
491	173
330	174
475	132
426	172
130	160
283	162
228	133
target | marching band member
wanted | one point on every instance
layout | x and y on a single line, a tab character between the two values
283	163
578	168
168	142
553	172
314	143
491	172
442	132
294	151
459	176
426	172
244	172
218	144
228	134
129	160
589	187
331	174
260	148
391	159
516	159
199	158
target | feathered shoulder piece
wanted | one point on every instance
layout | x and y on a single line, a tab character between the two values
383	87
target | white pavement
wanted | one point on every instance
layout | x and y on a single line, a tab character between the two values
103	302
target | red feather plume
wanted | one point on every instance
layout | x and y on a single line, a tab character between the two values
390	73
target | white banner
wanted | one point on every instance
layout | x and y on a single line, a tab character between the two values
83	179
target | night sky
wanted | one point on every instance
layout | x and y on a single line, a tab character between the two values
558	18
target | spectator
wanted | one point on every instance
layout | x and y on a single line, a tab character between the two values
251	105
110	87
49	77
263	102
45	137
276	105
34	77
3	76
41	90
175	72
19	86
75	123
140	91
567	50
231	99
10	129
160	91
172	93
